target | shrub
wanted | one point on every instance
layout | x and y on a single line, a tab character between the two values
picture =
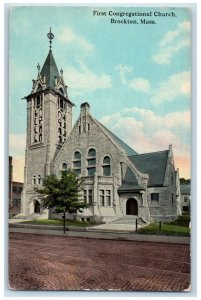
181	221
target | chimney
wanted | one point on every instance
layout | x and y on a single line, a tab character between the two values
85	109
84	118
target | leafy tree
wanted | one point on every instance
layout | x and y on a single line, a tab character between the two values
185	181
63	193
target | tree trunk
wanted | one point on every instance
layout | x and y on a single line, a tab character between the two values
64	222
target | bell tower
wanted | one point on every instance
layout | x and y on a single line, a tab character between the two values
49	123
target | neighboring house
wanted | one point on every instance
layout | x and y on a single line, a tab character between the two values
15	191
10	181
17	188
185	198
117	180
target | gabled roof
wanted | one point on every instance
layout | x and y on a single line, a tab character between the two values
129	182
127	149
185	189
50	70
153	164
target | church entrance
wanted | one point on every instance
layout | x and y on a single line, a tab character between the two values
132	207
36	207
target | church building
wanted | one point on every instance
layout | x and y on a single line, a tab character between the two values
118	182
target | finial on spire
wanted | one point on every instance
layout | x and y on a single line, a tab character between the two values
50	36
61	72
38	67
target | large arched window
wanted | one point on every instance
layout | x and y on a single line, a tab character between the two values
77	162
91	162
106	166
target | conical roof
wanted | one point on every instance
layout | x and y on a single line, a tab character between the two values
50	70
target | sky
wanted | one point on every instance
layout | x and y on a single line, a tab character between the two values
136	77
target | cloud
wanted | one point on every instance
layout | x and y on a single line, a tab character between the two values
174	86
168	90
172	43
145	131
136	83
83	79
68	36
17	142
140	84
123	70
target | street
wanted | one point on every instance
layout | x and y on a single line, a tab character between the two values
42	262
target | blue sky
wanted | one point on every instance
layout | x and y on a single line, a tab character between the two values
135	77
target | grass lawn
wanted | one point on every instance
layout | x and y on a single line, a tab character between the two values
166	229
59	223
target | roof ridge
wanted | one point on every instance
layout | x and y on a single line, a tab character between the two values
148	153
118	139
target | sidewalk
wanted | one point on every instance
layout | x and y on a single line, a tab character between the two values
103	231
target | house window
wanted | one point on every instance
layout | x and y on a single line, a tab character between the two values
91	171
108	198
185	208
16	202
105	198
85	196
77	162
102	197
155	196
17	189
106	166
185	199
91	162
88	196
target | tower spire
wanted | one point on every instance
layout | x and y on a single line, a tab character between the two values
50	36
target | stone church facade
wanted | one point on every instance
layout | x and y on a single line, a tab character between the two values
117	181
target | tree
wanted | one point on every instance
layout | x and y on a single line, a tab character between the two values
63	193
185	181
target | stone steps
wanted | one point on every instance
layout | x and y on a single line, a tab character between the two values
129	220
30	217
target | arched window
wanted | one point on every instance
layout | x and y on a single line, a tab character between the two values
77	162
106	166
91	162
64	166
92	153
39	179
34	180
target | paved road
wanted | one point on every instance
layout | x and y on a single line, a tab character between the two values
42	262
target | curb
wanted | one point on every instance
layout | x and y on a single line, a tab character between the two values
85	233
